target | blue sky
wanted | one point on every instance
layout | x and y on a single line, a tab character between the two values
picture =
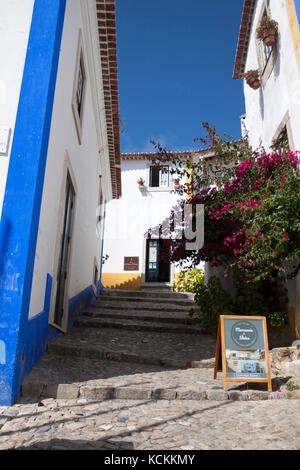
175	65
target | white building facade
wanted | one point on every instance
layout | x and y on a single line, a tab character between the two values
133	260
274	107
60	163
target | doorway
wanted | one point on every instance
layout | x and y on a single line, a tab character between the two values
60	310
157	269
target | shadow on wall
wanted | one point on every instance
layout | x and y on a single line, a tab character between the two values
121	281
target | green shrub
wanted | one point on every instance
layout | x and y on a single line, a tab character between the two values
190	280
257	299
213	301
264	298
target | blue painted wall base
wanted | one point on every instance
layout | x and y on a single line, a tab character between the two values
23	192
40	333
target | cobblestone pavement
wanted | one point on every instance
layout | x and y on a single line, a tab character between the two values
90	378
152	348
151	425
120	388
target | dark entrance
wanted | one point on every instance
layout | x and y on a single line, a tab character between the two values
157	270
63	264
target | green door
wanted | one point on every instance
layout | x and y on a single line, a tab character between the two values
152	268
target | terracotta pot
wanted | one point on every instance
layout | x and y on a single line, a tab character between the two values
269	37
253	82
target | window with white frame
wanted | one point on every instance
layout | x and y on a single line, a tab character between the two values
79	88
95	276
267	55
266	51
159	177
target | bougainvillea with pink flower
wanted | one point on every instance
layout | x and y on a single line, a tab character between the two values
252	207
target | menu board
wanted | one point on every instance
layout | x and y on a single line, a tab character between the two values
242	352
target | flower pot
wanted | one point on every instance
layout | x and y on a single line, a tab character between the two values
269	36
253	83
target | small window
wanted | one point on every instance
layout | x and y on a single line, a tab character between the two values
267	55
282	141
95	277
159	177
283	138
99	214
266	51
79	89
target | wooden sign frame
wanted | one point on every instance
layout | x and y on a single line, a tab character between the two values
220	359
131	263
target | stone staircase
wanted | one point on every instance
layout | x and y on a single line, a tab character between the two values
145	338
153	311
144	327
136	346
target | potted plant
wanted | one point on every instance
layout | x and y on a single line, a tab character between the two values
267	31
252	78
176	183
141	182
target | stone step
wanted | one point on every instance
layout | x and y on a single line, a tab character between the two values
102	380
92	352
142	306
131	346
165	317
138	325
146	294
157	286
134	299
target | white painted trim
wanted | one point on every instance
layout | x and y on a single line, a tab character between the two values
67	170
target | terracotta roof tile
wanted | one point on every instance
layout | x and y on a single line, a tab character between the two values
244	36
106	14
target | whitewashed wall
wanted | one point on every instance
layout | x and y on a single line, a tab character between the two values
131	216
15	21
86	165
265	108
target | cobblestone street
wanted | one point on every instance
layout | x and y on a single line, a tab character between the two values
151	425
114	387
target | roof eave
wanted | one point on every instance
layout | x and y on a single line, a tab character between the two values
106	17
244	37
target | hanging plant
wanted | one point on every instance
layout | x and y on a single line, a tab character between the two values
252	78
141	182
267	31
176	183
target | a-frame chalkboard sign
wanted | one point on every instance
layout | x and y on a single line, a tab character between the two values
242	351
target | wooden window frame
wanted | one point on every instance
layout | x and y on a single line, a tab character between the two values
160	187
